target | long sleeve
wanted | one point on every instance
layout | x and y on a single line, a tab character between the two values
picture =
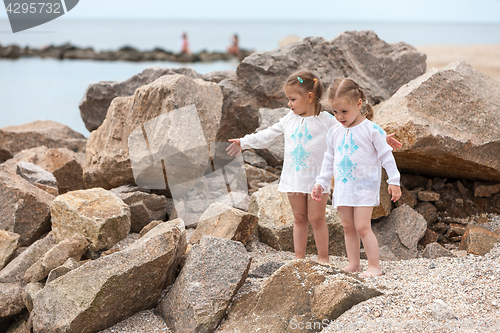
263	138
384	153
325	176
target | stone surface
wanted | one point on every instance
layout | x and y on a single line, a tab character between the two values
435	250
300	292
64	164
218	76
379	67
51	134
8	246
97	214
384	254
98	96
429	237
226	222
73	247
11	300
255	176
254	159
428	196
182	146
29	293
211	276
38	177
401	232
265	270
428	211
478	240
68	266
485	191
25	207
275	225
107	290
441	310
14	271
407	198
411	180
447	121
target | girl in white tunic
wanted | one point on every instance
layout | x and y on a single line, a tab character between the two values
305	128
355	153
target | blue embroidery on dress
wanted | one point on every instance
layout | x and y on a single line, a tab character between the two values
299	154
377	127
346	166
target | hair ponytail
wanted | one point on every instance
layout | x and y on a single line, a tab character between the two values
308	82
349	88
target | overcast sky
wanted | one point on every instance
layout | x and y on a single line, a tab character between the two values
471	11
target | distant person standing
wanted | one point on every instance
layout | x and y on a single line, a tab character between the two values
234	49
185	44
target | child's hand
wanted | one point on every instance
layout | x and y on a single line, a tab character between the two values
395	191
317	192
395	144
234	149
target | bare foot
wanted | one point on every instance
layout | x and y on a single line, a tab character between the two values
325	260
352	268
371	272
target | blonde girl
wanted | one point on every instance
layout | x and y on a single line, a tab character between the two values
356	150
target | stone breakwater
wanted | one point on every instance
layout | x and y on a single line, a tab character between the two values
126	53
83	248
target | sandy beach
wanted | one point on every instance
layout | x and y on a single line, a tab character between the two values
484	58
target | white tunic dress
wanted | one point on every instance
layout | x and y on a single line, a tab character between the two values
354	156
305	145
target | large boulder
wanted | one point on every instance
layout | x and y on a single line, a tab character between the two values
226	222
447	121
8	246
104	291
64	164
180	137
478	240
275	227
302	296
97	214
37	176
11	300
25	207
51	134
98	96
15	270
401	231
211	276
379	67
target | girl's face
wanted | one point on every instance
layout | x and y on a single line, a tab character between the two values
301	103
347	112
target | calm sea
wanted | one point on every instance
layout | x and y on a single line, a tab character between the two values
38	89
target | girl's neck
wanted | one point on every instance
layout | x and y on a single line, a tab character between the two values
308	113
359	119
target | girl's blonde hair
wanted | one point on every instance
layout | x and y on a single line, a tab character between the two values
349	88
308	82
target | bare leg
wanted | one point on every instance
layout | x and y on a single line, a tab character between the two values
351	238
362	222
316	214
298	201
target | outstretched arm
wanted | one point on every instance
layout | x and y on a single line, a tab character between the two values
393	142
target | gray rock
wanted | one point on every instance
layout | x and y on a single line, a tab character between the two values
25	207
224	221
29	293
301	291
428	196
104	291
485	190
401	231
211	276
38	177
179	139
97	214
15	270
435	250
68	266
144	208
73	247
275	227
51	134
428	211
98	96
8	246
256	176
447	121
11	300
265	270
218	76
441	310
254	159
379	67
